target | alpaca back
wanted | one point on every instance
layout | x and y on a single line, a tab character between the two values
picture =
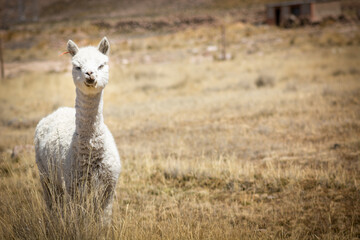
53	137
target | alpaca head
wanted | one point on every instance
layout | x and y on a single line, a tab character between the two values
90	66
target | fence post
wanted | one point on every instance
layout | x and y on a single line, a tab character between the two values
223	42
2	59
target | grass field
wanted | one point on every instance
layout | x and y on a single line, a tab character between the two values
263	146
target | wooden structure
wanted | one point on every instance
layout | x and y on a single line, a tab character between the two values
311	11
1	55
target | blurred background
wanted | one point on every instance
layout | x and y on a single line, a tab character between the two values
233	118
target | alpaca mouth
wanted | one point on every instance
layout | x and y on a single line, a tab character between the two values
91	85
90	82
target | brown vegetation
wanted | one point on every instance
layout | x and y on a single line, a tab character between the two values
263	146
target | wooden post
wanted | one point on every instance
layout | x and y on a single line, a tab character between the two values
2	59
223	42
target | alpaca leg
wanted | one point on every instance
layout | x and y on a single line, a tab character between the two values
107	204
107	212
46	192
53	194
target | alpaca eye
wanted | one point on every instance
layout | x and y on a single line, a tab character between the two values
78	68
101	66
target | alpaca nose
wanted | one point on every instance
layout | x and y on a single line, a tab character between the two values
89	73
89	77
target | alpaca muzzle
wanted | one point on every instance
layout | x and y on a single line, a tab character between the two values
90	79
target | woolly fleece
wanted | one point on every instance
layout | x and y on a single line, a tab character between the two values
73	145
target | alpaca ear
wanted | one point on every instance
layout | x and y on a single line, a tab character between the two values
104	46
72	48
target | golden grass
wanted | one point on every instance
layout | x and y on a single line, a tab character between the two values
207	152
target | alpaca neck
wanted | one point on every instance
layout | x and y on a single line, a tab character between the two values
89	124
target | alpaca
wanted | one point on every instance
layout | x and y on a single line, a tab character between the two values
75	151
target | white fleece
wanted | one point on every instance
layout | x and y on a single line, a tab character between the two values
75	145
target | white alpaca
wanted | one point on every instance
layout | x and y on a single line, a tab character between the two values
74	146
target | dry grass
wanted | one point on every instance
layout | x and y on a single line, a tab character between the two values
208	153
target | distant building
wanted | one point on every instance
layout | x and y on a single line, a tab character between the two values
301	11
